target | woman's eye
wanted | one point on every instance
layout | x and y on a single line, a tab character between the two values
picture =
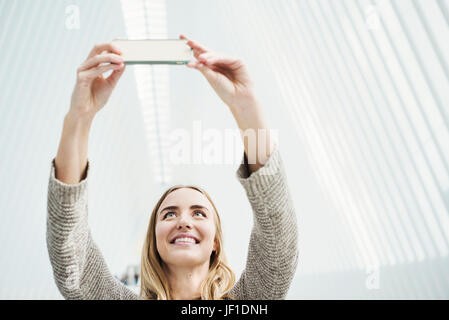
168	213
200	213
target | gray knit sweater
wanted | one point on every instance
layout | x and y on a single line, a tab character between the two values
80	270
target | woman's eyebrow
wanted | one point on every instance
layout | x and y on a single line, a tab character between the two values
195	206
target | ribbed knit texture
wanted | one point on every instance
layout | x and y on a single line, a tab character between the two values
80	270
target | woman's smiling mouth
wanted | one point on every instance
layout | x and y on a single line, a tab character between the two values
184	239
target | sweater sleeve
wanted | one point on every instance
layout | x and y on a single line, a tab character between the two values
273	248
79	268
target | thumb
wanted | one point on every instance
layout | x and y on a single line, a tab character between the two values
207	72
115	76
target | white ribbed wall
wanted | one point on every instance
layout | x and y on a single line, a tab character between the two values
358	90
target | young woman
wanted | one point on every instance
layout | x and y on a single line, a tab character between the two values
183	255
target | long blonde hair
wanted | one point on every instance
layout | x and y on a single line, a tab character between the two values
154	283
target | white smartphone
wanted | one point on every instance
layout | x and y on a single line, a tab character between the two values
154	51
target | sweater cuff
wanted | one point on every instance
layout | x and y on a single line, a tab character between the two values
264	178
67	194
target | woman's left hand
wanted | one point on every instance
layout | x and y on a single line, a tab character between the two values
228	76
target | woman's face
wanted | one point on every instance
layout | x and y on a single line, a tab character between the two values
185	228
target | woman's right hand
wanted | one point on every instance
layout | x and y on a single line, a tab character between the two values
92	90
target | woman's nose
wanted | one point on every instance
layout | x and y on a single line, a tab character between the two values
184	223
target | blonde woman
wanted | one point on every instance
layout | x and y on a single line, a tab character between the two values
182	257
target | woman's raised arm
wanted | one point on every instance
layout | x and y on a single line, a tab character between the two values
230	79
90	94
273	248
79	268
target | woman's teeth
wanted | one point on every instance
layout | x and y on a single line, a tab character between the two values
189	240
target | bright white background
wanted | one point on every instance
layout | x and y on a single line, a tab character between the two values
357	89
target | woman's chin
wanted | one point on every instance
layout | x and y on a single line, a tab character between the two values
184	258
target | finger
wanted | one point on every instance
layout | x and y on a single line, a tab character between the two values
204	56
210	58
115	76
195	65
99	48
200	66
96	71
195	45
101	58
192	64
208	73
